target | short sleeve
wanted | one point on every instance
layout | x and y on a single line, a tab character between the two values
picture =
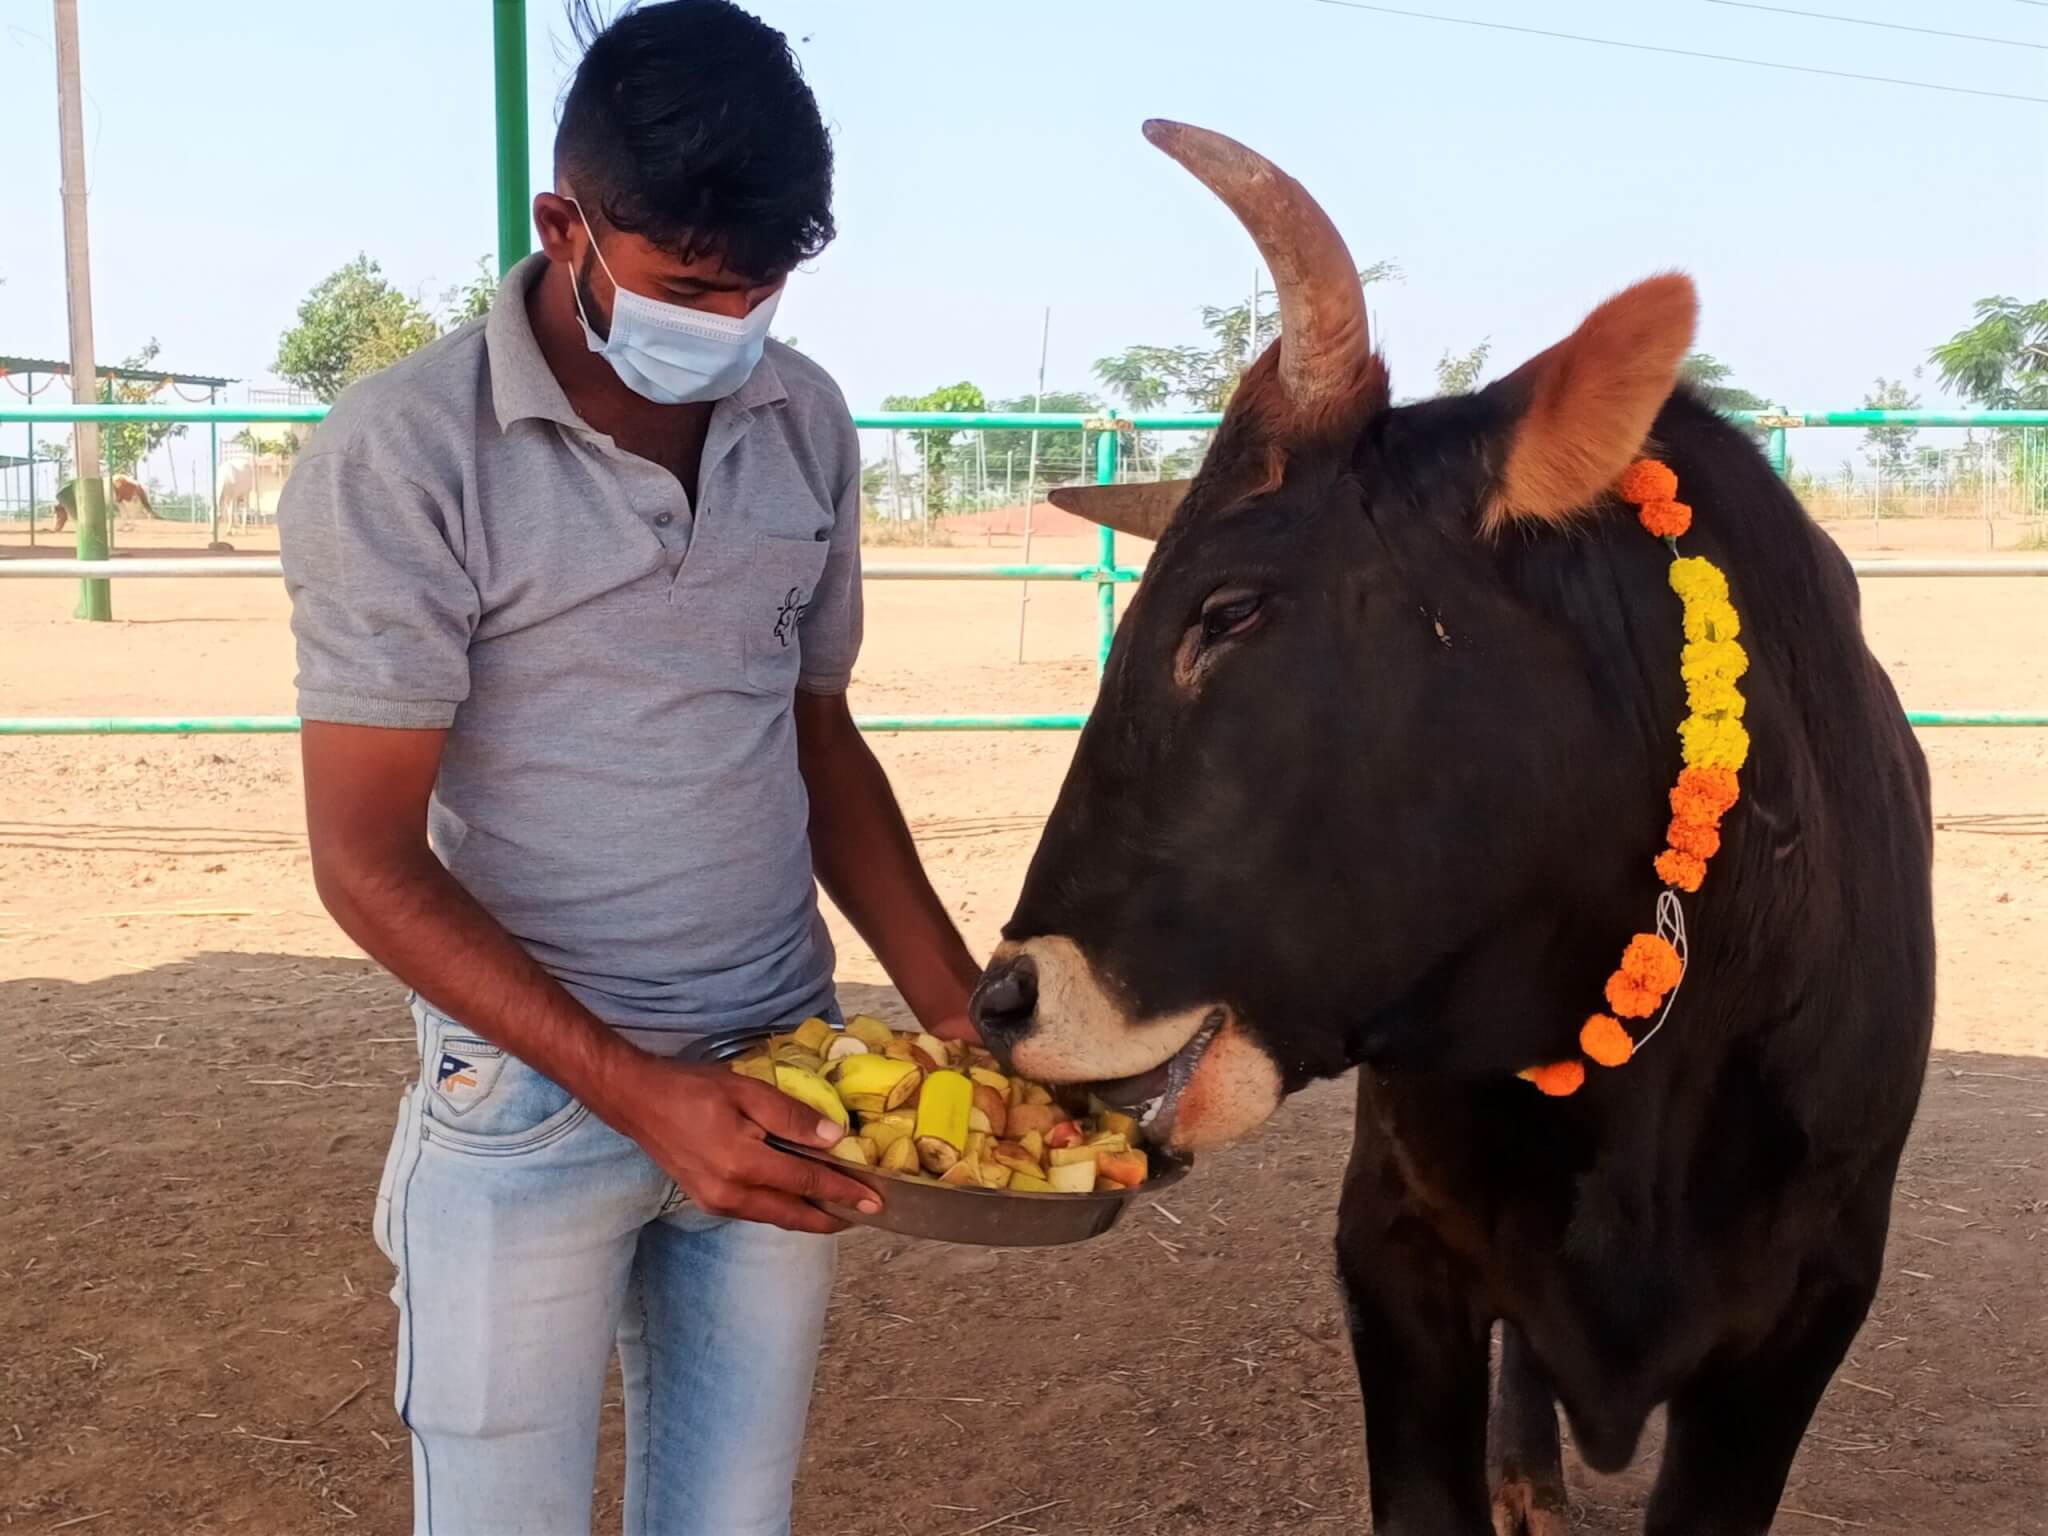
382	609
831	627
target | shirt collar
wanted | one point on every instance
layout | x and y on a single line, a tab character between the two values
524	387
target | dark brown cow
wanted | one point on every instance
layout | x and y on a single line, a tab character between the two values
1377	778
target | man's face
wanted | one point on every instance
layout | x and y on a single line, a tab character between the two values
641	267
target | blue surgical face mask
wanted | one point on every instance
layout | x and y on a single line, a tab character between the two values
672	354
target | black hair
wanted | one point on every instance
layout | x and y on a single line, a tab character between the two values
689	123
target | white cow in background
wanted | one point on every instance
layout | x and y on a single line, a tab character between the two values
234	492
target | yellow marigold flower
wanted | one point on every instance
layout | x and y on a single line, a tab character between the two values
1713	658
1722	700
1605	1041
1706	742
1696	580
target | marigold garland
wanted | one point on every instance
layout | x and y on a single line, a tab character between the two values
1713	743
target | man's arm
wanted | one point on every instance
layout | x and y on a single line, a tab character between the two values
366	803
866	861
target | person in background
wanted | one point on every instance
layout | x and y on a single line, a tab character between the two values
576	595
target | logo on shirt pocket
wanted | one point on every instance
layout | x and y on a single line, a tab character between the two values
795	604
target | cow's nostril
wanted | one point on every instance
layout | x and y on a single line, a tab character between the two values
1006	1000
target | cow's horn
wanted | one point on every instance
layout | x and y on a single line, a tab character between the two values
1325	345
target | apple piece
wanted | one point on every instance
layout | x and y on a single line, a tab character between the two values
931	1050
854	1149
1126	1169
1033	1143
813	1035
899	1156
1013	1156
978	1143
898	1049
1108	1141
1065	1133
991	1078
1070	1157
1036	1093
994	1107
843	1047
760	1068
964	1174
870	1031
1026	1119
992	1175
1072	1178
1022	1183
885	1132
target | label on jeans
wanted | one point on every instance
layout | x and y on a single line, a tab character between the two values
466	1071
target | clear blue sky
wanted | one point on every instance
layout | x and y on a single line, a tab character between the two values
990	165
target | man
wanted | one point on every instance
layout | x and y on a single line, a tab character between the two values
577	594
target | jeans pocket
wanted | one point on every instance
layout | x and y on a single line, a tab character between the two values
475	1097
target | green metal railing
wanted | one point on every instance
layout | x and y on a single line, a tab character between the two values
1106	574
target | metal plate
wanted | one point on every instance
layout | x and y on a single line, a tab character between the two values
945	1213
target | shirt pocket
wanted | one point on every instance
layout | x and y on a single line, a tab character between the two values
782	578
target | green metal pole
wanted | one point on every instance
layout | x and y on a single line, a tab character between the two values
95	595
515	196
1105	583
1774	450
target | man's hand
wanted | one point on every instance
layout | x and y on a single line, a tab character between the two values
705	1127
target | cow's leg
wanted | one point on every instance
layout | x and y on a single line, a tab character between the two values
1421	1354
1528	1479
1732	1432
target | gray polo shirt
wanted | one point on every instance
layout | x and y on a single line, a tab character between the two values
614	666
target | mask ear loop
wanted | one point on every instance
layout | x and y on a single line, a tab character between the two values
576	288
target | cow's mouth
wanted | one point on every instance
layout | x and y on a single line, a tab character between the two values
1154	1095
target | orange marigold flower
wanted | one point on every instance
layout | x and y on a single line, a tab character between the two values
1701	839
1684	870
1652	963
1630	998
1716	787
1647	480
1666	519
1605	1041
1558	1080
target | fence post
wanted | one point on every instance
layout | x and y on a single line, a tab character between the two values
1105	582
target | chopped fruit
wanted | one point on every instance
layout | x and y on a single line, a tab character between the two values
990	1112
1126	1169
1072	1178
1026	1119
811	1089
942	1112
759	1068
870	1031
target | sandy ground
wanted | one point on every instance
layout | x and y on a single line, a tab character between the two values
201	1072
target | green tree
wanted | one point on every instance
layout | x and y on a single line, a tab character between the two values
2001	362
1709	377
935	448
128	443
471	300
1457	373
351	324
1203	377
1890	448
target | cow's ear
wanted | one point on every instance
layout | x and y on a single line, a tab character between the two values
1586	405
1142	509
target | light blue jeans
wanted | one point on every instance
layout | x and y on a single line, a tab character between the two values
530	1239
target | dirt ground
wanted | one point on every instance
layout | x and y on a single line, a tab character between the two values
194	1329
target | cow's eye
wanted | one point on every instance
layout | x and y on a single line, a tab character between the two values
1228	613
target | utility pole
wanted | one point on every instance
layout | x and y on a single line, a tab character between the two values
95	600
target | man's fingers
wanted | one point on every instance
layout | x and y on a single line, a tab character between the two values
778	1210
770	1169
779	1114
